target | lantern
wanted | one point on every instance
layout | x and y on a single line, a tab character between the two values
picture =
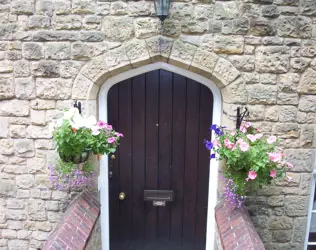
162	9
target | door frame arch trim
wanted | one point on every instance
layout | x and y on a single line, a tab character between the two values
103	180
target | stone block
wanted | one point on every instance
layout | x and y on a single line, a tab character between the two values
251	78
7	188
137	53
92	22
228	44
83	6
159	46
45	69
36	210
38	117
69	69
281	223
6	67
272	113
261	28
225	72
267	78
307	136
118	8
39	104
288	98
19	7
307	103
139	8
203	62
262	94
81	51
34	51
182	54
37	165
288	82
44	7
21	68
25	88
276	201
6	88
298	27
24	234
67	22
38	132
299	64
146	27
225	10
296	205
288	114
24	147
57	51
62	6
47	35
118	29
281	236
6	146
52	206
307	83
82	87
25	181
286	130
17	131
272	59
302	159
243	63
308	7
39	22
53	88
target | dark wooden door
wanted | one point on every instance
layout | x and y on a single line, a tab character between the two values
164	118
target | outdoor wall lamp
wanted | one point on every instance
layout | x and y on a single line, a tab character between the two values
162	9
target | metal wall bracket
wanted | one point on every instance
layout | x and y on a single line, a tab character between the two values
240	117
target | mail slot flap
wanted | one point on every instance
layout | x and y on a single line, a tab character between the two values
158	195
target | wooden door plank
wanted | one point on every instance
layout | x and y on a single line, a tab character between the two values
178	153
151	164
165	130
138	156
206	113
125	163
113	167
191	155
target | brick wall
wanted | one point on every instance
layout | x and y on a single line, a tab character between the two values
77	224
235	228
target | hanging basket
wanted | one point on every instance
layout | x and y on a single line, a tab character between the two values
76	158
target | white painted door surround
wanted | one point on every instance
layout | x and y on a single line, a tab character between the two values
103	183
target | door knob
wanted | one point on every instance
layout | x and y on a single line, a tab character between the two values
122	196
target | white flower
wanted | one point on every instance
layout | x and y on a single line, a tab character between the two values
68	115
90	122
95	130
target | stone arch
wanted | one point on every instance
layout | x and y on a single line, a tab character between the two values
135	53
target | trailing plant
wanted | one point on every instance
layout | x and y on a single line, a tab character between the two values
250	159
76	137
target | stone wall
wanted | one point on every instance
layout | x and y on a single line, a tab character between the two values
261	53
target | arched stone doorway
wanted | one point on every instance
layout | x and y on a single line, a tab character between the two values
225	81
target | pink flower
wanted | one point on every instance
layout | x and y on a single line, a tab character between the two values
109	127
95	130
273	173
258	136
244	146
271	139
243	129
111	140
119	134
101	124
275	156
289	165
233	133
248	124
228	144
251	175
216	143
252	138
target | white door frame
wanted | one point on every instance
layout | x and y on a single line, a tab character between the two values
103	180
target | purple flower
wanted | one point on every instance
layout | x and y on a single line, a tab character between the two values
212	156
208	144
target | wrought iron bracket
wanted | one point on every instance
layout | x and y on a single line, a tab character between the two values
78	106
240	117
